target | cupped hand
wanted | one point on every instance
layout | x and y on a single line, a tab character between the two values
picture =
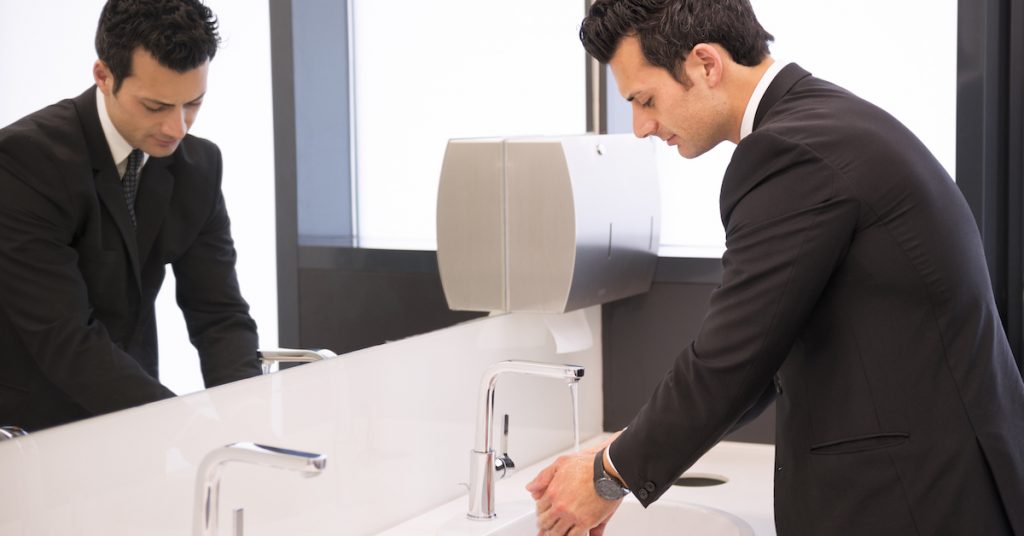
567	504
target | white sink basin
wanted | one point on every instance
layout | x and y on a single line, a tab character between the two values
664	517
675	518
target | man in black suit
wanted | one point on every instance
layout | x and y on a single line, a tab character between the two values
97	194
854	292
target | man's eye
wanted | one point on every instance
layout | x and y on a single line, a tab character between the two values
153	109
647	103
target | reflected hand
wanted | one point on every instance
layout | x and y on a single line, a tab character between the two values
567	503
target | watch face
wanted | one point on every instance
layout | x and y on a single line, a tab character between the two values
608	488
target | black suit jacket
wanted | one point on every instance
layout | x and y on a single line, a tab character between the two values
78	281
855	289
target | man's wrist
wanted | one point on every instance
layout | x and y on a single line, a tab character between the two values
609	466
606	486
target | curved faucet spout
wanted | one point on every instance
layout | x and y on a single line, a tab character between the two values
206	516
485	409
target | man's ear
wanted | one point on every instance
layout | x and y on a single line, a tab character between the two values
711	62
103	77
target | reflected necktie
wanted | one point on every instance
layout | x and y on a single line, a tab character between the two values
130	181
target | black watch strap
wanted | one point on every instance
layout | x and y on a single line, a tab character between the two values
607	486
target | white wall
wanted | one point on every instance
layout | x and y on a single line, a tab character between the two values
46	54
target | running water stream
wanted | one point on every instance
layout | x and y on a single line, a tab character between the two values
574	397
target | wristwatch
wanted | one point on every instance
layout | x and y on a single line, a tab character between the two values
607	486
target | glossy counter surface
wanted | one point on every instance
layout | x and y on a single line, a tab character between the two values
747	494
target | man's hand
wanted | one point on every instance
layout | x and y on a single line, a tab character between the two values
567	504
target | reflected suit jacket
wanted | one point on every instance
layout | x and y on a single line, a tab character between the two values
854	292
78	281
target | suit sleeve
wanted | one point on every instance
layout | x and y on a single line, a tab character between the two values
788	224
43	295
216	315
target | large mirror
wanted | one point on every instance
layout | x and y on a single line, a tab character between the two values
333	116
365	272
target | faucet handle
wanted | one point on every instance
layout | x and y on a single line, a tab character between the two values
504	435
503	464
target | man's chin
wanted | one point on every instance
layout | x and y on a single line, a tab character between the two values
160	150
690	153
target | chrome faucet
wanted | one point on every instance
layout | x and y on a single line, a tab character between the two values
270	359
206	516
484	465
11	432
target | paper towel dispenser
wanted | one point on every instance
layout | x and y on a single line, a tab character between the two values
548	224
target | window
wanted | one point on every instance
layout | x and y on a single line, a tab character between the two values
425	72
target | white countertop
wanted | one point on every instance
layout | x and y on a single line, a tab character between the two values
747	494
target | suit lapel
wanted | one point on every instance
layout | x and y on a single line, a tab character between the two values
155	189
108	186
784	81
108	182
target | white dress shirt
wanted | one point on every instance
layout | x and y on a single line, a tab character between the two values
119	147
747	126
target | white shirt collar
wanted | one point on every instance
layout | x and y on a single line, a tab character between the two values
119	147
747	126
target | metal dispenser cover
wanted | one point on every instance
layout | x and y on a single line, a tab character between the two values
547	224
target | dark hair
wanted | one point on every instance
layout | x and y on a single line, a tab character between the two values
669	29
180	34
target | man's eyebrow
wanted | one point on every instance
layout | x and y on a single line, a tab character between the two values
156	102
162	103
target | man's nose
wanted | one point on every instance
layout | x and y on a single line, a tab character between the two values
643	125
175	125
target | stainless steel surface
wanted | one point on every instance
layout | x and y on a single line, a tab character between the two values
484	466
270	359
471	224
11	432
547	225
481	485
207	495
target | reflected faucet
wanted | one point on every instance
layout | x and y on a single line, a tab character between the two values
11	432
270	359
483	464
206	515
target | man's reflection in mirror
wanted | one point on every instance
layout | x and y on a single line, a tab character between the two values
98	194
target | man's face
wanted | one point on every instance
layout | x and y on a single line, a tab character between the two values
155	106
690	119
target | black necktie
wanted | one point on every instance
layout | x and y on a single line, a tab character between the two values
130	182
